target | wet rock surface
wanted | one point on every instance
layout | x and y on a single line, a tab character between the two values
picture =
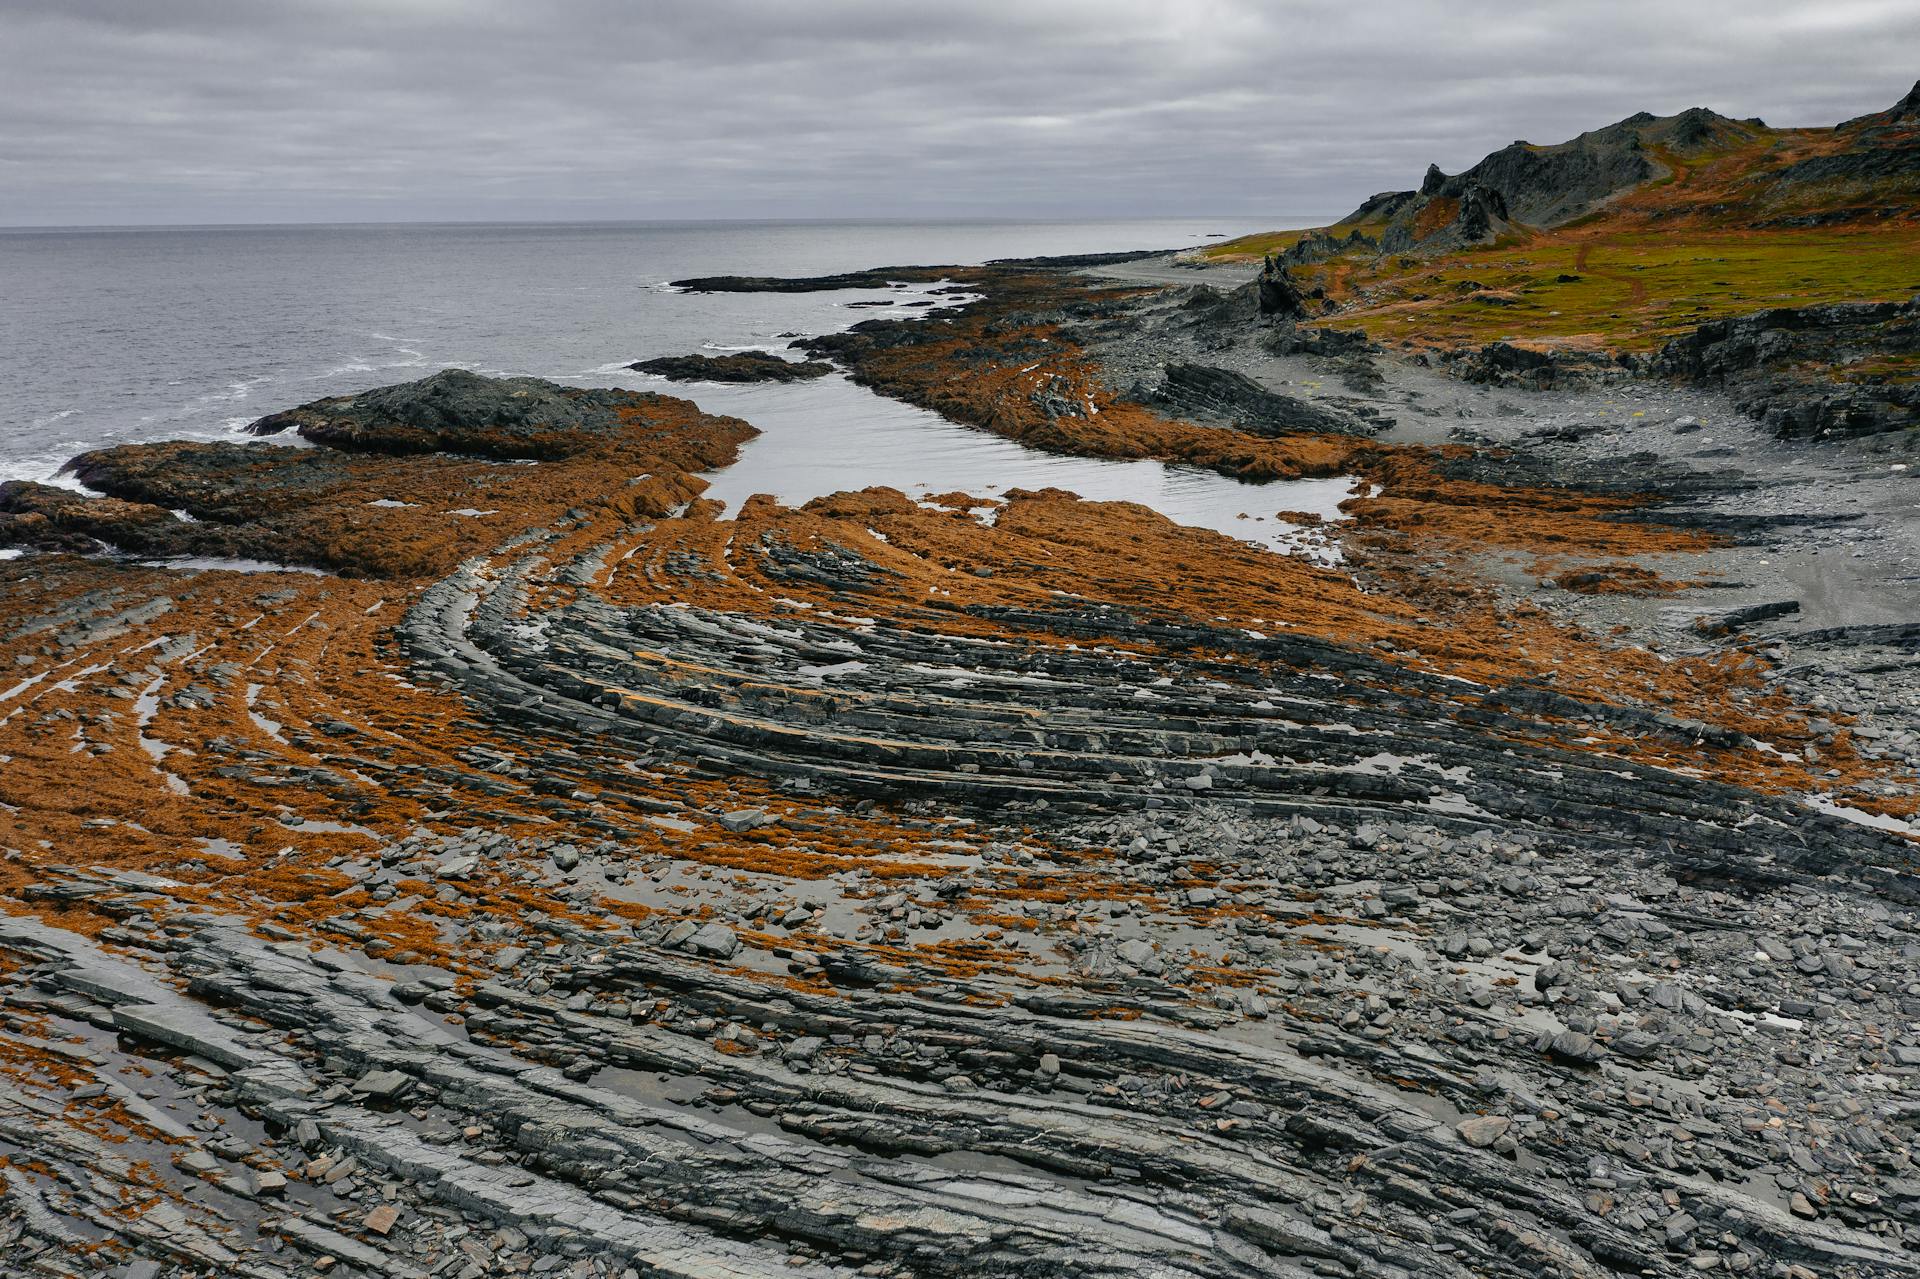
745	366
975	886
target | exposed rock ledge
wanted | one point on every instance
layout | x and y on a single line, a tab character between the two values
745	366
1819	371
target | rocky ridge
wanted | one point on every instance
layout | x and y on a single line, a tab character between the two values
1539	186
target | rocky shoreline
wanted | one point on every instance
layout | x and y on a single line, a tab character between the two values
569	881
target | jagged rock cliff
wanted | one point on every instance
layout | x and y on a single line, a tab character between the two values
1780	366
1541	186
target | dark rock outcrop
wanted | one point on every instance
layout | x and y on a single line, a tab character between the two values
1058	261
1504	364
1548	185
1291	339
1279	295
1539	186
1479	217
1906	111
1318	245
745	366
1198	390
875	279
1383	207
45	518
890	276
1483	213
1780	366
406	482
455	411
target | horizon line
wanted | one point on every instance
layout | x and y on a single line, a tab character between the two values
1010	220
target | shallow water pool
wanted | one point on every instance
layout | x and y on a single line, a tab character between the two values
830	435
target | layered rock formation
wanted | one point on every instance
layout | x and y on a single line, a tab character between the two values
574	882
1199	392
1780	366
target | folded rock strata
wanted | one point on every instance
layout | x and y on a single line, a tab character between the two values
589	885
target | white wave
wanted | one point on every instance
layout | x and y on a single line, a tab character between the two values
48	467
609	369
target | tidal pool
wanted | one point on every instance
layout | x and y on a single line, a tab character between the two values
830	435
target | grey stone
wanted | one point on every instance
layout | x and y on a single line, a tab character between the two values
714	939
382	1084
744	819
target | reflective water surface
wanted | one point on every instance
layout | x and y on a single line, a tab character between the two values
111	336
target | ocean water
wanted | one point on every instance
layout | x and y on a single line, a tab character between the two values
111	336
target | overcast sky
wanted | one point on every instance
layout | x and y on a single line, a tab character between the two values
131	111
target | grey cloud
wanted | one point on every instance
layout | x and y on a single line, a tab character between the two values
237	110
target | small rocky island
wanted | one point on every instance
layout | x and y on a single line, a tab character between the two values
743	366
444	846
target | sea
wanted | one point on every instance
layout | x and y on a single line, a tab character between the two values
122	335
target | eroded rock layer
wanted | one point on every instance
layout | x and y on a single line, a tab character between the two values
572	881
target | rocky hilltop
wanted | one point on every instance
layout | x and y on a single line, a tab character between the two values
1863	168
1523	185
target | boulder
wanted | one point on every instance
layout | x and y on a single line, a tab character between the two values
1483	1130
